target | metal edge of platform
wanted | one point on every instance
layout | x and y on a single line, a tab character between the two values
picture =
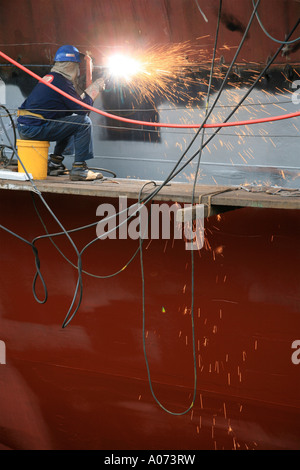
217	199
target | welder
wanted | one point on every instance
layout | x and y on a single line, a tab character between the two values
46	115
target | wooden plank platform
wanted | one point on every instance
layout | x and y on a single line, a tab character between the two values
216	198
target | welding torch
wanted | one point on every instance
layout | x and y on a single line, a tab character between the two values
95	87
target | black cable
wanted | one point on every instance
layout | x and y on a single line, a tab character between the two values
79	285
12	147
34	249
241	101
172	174
104	170
192	263
97	276
69	317
284	43
207	99
38	273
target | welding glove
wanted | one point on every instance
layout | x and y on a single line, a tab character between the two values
95	88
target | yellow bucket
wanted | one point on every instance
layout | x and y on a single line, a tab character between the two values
34	156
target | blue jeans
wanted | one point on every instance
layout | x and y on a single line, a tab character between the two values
75	130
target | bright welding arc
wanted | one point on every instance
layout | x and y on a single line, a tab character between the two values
123	67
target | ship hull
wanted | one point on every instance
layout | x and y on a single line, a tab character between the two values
86	386
211	360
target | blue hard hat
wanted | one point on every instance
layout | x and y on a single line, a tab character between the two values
67	54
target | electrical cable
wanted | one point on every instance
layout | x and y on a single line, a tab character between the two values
37	264
97	276
104	170
268	34
79	285
207	102
173	172
14	132
241	101
202	13
69	317
192	264
144	334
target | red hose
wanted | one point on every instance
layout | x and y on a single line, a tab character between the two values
144	123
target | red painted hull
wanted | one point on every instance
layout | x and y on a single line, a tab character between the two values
86	386
32	30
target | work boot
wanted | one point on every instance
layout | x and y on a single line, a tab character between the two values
80	172
55	165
